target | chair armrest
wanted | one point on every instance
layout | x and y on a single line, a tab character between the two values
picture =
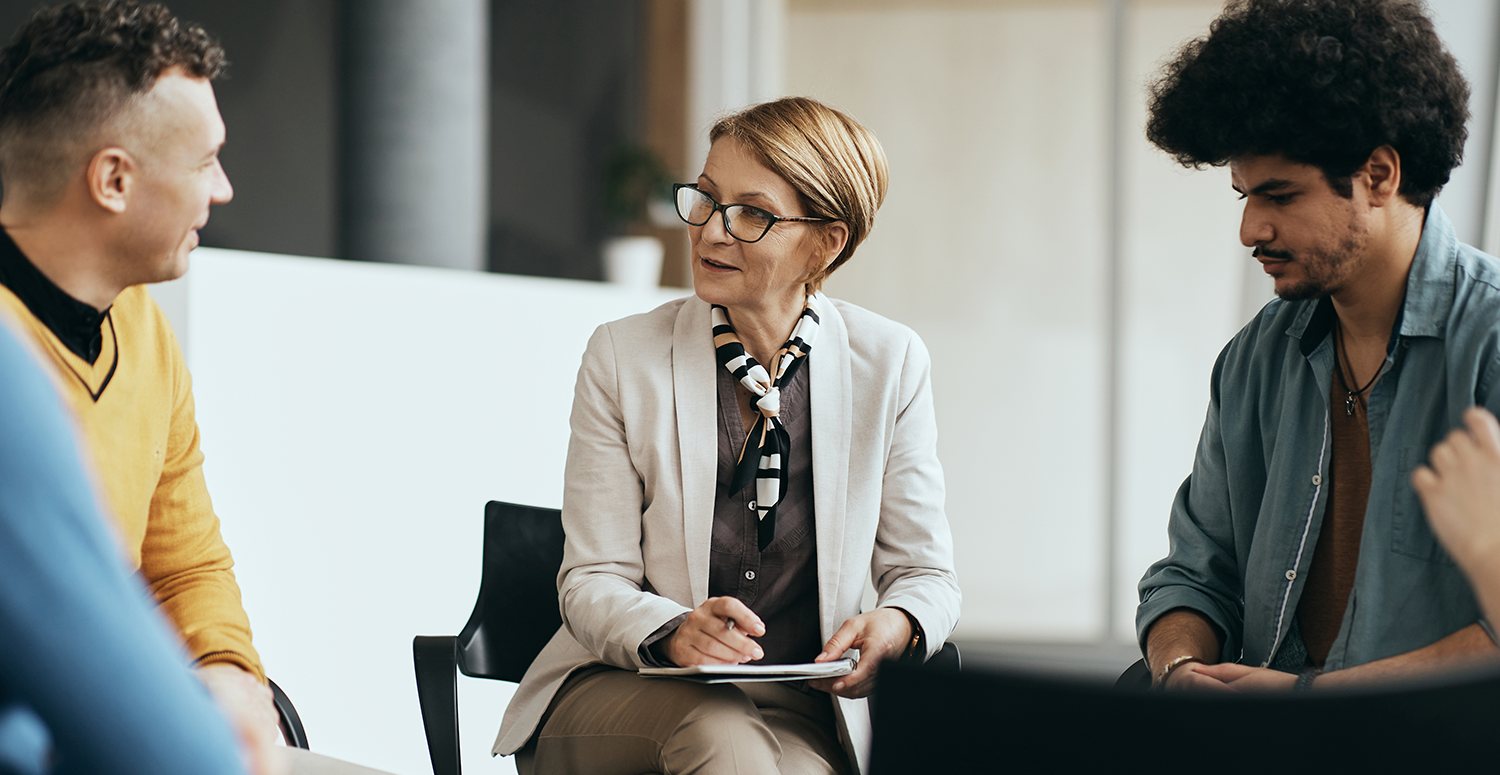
436	661
291	723
1135	677
947	659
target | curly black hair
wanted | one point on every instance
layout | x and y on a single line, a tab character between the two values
72	68
1321	82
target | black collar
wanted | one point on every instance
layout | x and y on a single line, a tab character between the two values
1321	325
78	326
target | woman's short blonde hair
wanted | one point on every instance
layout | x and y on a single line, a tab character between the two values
835	164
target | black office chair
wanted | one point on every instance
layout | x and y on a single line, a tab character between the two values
514	617
986	720
1137	676
286	713
946	660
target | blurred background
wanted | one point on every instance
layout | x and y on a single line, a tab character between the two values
1073	285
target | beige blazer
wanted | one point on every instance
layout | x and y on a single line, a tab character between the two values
639	489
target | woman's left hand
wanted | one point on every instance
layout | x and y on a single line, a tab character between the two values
878	634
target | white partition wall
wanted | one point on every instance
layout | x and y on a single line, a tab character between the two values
355	418
991	245
1471	31
1187	285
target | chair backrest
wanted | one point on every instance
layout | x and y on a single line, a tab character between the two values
980	720
517	611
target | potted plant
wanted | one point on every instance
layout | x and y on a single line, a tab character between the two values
637	197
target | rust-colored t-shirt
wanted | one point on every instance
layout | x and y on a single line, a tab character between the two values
1326	594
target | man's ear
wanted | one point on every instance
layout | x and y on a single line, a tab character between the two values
1383	169
110	176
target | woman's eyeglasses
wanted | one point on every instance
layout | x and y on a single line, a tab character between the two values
743	222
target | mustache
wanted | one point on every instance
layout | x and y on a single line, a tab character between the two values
1280	255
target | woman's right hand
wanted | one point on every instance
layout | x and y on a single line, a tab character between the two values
716	633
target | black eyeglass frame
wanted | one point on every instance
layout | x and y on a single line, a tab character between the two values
723	209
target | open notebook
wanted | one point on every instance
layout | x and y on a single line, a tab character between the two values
713	674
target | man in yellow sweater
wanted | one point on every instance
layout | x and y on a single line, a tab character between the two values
109	135
109	141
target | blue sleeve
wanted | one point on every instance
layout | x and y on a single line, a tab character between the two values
83	647
1201	569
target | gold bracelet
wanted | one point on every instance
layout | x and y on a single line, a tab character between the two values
1161	681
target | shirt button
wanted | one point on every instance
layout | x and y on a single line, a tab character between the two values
750	574
1317	479
1291	575
750	505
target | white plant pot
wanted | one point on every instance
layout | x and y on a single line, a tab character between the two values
634	262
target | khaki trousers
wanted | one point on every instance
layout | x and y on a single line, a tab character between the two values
295	761
607	721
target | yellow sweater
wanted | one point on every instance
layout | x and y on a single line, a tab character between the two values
144	443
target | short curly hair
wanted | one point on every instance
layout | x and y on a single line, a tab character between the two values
1321	82
70	72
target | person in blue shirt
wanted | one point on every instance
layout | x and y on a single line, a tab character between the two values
92	680
1299	547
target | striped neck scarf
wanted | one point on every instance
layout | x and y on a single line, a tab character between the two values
762	458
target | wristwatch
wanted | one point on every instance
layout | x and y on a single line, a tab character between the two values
915	648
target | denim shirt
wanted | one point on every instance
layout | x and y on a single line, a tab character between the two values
1244	524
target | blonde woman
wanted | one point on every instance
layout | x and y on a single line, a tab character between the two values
741	461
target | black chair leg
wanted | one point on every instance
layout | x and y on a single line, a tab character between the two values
436	659
291	723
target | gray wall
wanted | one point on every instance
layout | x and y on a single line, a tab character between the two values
278	101
1471	29
565	80
279	104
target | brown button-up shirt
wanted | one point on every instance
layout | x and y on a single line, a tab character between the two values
779	584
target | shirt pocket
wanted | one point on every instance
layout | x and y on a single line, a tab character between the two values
1410	534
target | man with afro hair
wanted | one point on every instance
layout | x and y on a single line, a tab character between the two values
1299	547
